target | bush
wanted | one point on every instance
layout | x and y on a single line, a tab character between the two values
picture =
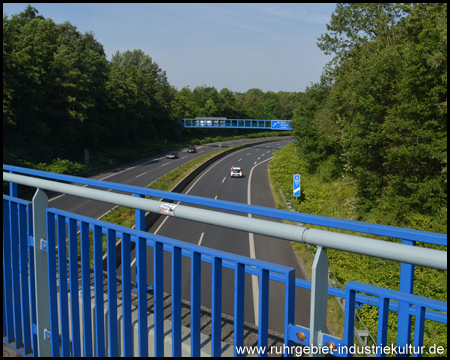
61	167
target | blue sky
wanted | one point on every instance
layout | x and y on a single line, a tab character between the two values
267	46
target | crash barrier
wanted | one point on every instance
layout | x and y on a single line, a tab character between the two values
46	331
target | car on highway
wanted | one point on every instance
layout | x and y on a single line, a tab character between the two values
172	155
192	149
236	171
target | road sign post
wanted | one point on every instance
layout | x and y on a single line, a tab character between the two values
296	185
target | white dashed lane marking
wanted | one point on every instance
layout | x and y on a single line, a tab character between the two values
201	238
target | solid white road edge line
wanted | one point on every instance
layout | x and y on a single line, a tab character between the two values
251	241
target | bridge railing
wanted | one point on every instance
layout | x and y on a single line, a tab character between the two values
224	123
314	335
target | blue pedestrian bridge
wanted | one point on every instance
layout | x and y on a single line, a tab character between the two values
224	123
63	294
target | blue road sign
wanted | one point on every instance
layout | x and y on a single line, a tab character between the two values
281	125
296	184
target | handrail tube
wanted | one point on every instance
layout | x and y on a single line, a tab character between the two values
354	244
375	229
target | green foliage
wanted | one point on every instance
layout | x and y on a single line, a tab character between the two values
61	167
336	196
352	25
382	110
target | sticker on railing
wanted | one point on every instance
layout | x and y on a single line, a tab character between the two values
167	209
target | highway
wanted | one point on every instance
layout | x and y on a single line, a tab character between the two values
215	182
139	173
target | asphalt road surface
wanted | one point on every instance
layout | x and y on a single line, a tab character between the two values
138	173
215	182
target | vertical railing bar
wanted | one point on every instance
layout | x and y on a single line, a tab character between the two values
404	319
17	313
74	298
176	302
12	188
4	307
63	300
53	297
319	290
195	302
31	278
139	216
8	320
419	329
86	288
216	311
349	324
383	315
139	224
239	296
112	293
141	265
126	296
289	309
25	296
263	316
98	289
158	297
40	205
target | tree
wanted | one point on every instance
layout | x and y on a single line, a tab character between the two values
354	24
305	125
388	103
151	112
29	43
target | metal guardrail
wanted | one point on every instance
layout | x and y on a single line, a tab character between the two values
355	244
315	335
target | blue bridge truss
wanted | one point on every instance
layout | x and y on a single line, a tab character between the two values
224	123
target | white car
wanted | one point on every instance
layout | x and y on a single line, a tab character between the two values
236	171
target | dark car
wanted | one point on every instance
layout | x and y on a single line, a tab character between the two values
172	155
192	149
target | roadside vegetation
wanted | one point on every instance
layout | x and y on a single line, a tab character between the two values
325	192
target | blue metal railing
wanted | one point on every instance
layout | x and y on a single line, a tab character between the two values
223	123
385	295
19	302
218	261
197	254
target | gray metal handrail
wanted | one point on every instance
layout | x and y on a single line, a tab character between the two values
355	244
